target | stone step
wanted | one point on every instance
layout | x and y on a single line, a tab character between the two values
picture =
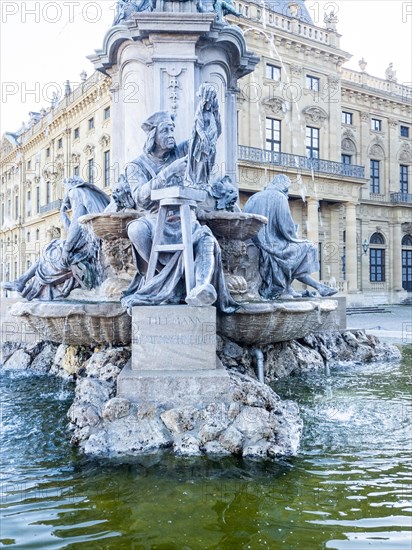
365	310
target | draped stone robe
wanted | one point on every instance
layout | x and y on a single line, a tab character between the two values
283	256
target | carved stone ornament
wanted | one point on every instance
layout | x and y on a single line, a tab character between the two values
174	87
104	141
365	116
89	149
333	79
54	232
315	114
405	154
393	123
348	133
407	228
295	70
348	145
275	105
75	158
50	173
28	184
376	151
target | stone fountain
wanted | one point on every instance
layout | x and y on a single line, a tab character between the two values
199	259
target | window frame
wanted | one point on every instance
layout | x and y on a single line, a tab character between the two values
312	83
90	170
347	115
275	144
311	137
271	69
403	127
106	113
403	179
376	125
106	165
377	265
90	123
375	177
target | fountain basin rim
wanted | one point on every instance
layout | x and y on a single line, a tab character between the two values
55	309
288	306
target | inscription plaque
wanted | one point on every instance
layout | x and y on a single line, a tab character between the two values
173	338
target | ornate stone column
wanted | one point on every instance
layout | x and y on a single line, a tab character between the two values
157	60
351	248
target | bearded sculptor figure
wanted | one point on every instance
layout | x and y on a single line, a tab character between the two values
163	163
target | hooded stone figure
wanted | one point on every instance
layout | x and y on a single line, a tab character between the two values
71	263
283	256
162	164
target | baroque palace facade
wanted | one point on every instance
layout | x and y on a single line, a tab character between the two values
342	136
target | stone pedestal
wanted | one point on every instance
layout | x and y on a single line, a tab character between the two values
173	357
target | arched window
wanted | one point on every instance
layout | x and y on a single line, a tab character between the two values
28	236
377	238
37	234
376	258
407	263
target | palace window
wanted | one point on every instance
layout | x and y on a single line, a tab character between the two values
404	131
48	193
48	152
37	200
273	140
375	176
29	165
28	203
37	234
273	72
403	178
106	168
346	159
28	236
312	83
90	170
76	133
312	142
106	113
377	259
91	123
376	125
76	171
16	207
347	118
60	143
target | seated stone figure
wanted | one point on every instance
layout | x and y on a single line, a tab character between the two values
162	164
66	264
283	256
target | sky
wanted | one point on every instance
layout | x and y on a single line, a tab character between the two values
45	42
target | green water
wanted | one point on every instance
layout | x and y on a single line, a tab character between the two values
349	488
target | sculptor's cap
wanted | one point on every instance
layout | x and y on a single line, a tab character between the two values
155	119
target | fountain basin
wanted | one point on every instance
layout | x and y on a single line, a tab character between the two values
240	226
258	323
76	323
110	225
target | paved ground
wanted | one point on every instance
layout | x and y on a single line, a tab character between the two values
394	326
